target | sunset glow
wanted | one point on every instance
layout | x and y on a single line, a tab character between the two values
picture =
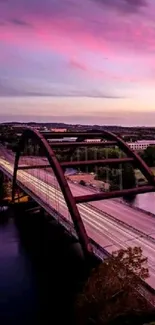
88	61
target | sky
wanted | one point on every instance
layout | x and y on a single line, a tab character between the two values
78	61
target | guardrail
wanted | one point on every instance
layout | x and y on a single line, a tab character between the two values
121	201
124	224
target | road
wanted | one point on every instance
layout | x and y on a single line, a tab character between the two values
108	233
138	219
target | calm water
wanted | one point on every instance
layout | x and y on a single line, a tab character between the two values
145	201
40	274
18	298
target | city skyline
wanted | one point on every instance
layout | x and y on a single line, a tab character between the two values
77	61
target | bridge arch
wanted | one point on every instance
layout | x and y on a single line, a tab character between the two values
58	168
55	165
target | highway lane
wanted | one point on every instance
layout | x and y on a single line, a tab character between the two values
135	218
106	232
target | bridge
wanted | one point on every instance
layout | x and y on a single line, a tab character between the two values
100	223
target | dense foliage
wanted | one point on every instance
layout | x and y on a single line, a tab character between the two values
119	178
5	187
149	156
112	291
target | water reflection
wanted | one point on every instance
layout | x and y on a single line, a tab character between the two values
145	201
17	283
41	272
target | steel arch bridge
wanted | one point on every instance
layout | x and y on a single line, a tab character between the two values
107	139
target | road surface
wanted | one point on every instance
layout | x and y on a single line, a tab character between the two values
136	218
106	232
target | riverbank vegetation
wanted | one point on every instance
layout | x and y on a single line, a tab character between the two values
148	155
112	293
5	187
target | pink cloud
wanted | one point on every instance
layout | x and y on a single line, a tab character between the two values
93	26
78	65
74	32
96	28
95	73
71	45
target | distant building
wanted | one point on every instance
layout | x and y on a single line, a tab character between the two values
141	144
63	139
93	140
58	130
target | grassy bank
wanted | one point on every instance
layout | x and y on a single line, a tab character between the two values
140	175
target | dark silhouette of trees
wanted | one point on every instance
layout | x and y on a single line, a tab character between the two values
128	176
82	182
4	187
149	156
112	291
114	177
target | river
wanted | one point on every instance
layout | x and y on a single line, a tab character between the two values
18	295
145	201
40	272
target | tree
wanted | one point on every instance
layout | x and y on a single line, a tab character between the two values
82	182
113	177
128	176
108	174
149	156
4	186
114	187
102	173
111	291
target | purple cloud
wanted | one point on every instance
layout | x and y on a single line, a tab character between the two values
19	88
19	22
129	6
63	55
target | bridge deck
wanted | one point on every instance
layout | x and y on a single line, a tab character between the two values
109	233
